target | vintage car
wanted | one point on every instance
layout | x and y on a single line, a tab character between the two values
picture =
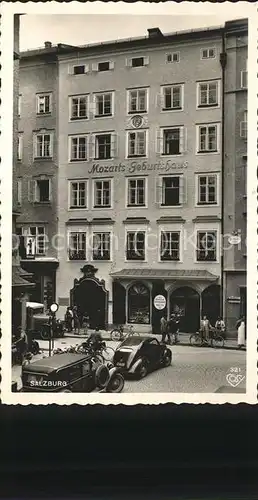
38	322
71	372
140	355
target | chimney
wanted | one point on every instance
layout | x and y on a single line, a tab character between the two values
155	33
48	45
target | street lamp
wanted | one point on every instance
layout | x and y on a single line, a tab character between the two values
53	309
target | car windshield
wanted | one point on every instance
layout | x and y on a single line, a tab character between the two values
132	341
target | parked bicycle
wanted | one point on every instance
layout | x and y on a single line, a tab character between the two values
215	339
118	333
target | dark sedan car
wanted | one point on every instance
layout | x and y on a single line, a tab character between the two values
140	355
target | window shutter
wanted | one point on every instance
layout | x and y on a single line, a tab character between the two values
182	190
158	199
51	145
111	65
91	146
114	145
159	141
128	62
182	140
31	190
146	60
94	67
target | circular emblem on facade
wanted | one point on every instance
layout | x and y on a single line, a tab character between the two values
137	121
234	239
160	302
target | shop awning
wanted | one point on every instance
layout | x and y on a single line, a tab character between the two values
152	273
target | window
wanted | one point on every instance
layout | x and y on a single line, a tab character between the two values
103	147
104	66
101	246
137	62
206	245
135	246
44	104
137	101
243	126
78	194
19	147
42	190
137	143
77	246
43	146
79	70
78	148
244	81
19	191
172	97
170	245
171	191
136	192
79	107
208	53
172	141
35	240
173	57
102	193
207	189
103	104
208	94
208	138
138	306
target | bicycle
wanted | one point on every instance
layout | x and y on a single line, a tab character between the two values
215	339
118	333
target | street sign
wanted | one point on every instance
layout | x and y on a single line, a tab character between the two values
234	239
160	302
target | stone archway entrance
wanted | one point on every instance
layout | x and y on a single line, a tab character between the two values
187	301
90	296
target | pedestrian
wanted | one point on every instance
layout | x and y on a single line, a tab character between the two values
76	321
220	327
173	326
85	322
69	319
163	328
240	326
205	328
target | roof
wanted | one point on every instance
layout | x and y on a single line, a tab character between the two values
165	273
52	363
17	279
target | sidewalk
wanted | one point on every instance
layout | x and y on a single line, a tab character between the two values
230	344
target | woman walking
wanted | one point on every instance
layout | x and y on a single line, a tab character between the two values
241	332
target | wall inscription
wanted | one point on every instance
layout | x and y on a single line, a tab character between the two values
137	167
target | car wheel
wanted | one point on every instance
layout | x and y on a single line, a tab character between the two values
44	334
102	376
143	369
115	335
116	384
167	358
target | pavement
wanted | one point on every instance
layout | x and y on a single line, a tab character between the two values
193	369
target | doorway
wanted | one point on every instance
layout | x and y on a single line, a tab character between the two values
186	301
91	298
211	303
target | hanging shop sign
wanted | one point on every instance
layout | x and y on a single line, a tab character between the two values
160	302
234	239
137	167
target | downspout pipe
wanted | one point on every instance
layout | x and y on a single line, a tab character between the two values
223	63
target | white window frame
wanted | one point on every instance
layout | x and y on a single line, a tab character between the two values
70	182
77	231
72	66
95	66
172	54
78	118
208	49
113	145
170	229
135	178
94	104
44	95
102	207
217	184
160	190
20	146
138	112
19	191
36	198
182	141
198	95
134	131
206	230
201	125
100	231
26	233
77	136
129	61
137	230
36	135
162	98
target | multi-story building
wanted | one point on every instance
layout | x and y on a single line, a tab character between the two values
235	171
139	178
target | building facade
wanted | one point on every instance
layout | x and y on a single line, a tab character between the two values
139	179
235	170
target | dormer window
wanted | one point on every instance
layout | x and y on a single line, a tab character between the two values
104	66
79	70
209	53
173	57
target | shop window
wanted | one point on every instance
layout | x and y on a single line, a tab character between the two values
139	304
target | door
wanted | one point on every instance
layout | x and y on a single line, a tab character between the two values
186	301
91	299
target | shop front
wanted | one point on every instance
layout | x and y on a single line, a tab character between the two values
43	271
141	297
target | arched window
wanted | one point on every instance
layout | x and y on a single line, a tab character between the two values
139	304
